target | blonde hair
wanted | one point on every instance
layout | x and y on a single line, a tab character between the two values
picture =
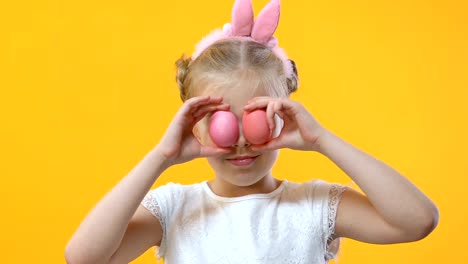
232	63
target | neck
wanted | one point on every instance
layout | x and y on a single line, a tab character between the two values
225	189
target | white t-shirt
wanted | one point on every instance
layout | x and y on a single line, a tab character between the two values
292	224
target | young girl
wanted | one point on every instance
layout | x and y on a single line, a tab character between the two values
246	215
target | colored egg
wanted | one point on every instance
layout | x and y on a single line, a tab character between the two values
255	127
223	128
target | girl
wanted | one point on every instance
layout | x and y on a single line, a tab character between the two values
246	215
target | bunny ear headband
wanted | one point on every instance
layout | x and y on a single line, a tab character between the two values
243	26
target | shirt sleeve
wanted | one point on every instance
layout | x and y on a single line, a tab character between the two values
158	201
329	196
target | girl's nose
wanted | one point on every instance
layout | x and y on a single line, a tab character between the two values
241	141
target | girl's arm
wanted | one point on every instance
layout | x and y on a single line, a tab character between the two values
393	211
396	209
101	232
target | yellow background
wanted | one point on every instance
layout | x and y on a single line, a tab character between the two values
88	88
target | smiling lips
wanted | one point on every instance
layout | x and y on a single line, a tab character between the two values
242	160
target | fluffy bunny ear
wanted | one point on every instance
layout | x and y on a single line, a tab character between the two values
242	18
267	22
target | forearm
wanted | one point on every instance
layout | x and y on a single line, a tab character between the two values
101	232
397	200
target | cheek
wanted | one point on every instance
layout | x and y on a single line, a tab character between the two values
217	164
271	157
207	140
203	133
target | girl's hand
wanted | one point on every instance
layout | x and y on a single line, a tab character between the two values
179	145
300	131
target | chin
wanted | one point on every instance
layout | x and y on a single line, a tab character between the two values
246	177
235	182
244	180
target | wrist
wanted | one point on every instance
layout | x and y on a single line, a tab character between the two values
163	160
323	141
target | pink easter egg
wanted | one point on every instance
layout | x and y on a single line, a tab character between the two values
223	128
255	126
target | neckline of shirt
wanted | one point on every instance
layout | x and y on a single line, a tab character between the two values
271	194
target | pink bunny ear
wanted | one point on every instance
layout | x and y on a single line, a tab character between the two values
267	22
242	18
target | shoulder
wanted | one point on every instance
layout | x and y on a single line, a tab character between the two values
168	200
171	194
317	193
317	188
327	190
173	188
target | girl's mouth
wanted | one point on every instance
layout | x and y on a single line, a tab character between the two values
242	160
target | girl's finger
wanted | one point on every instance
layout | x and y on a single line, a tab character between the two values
200	115
257	98
289	107
196	100
270	113
258	103
192	103
280	114
278	109
200	100
210	108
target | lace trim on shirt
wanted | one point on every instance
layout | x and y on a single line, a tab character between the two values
152	205
334	198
